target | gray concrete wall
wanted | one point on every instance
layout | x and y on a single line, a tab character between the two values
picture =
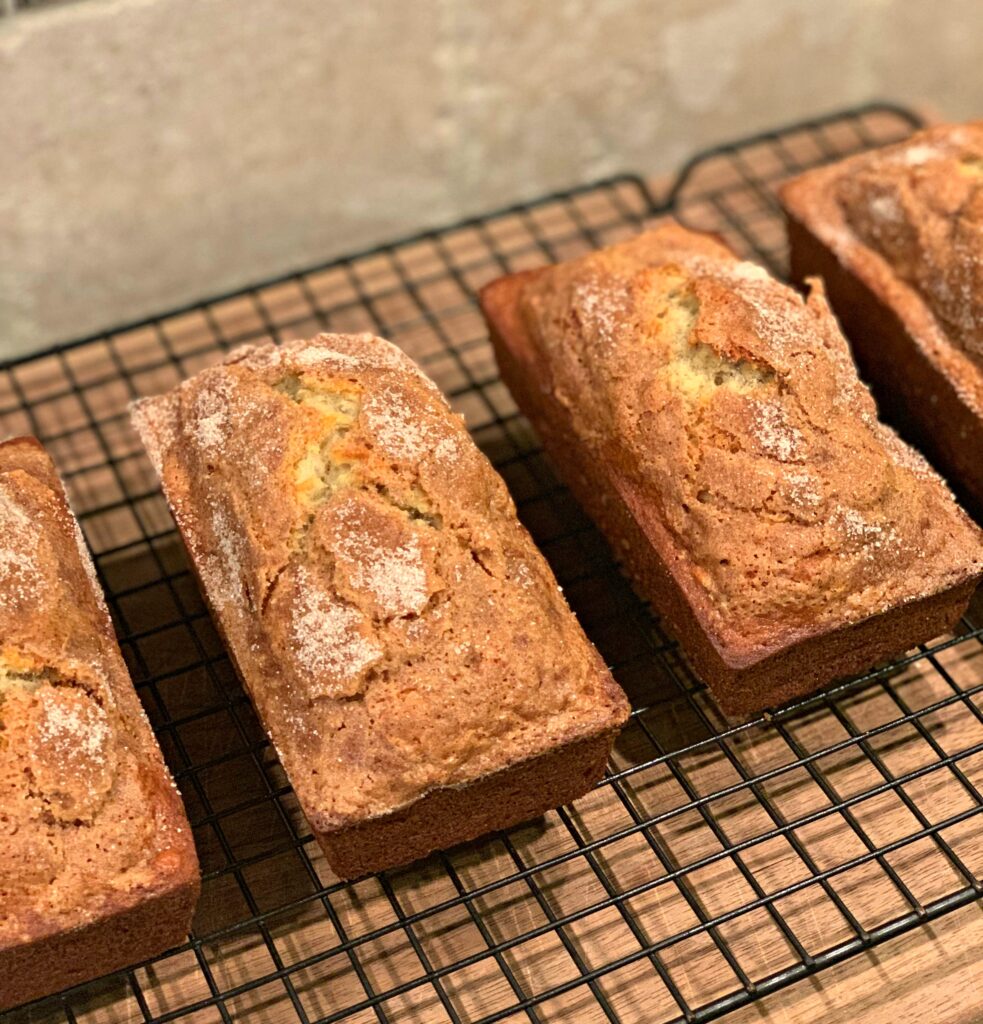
157	151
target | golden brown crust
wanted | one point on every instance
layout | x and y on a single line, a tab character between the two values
898	235
713	424
449	815
396	629
919	204
93	829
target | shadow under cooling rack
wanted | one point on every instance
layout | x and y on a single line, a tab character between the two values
714	863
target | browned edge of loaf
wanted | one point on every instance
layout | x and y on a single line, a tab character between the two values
448	816
742	686
912	390
149	921
158	921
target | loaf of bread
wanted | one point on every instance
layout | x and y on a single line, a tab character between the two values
404	643
98	866
897	235
712	423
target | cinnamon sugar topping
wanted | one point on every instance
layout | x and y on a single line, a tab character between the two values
19	538
212	412
394	427
72	727
776	435
394	576
331	638
221	568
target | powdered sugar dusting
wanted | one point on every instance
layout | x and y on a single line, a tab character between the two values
776	436
394	426
780	317
840	239
156	425
524	576
903	455
349	351
345	354
321	355
927	227
256	357
342	353
872	537
75	726
745	270
211	411
19	538
918	154
601	308
395	576
802	488
327	636
447	449
885	208
222	569
779	314
379	355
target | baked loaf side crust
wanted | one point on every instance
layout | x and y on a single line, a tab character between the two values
99	868
897	235
713	425
404	643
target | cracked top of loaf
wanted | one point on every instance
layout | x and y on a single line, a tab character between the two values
729	407
394	624
89	819
908	218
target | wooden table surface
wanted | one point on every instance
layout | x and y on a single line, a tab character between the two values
933	974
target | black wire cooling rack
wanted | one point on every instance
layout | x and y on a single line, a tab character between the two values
714	864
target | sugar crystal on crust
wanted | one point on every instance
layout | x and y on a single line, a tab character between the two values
777	436
394	427
213	413
394	575
18	544
330	638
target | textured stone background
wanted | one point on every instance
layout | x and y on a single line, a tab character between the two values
157	151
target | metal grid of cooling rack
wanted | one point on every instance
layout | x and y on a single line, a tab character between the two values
714	864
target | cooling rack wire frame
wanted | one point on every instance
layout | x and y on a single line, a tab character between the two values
714	864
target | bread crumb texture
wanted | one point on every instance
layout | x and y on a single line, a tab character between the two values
732	407
81	820
919	205
395	626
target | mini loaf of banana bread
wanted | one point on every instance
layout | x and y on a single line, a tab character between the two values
897	235
403	641
712	423
98	866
